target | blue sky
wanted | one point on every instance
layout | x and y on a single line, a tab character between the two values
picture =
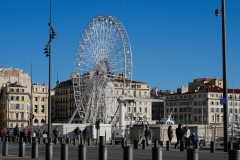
172	41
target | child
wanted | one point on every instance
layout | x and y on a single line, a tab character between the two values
193	138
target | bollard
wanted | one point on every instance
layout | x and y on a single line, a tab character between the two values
64	151
234	154
30	140
26	140
181	146
89	141
13	139
79	139
56	140
143	144
21	149
9	139
161	143
39	140
235	145
113	143
127	153
212	147
5	148
196	144
102	152
123	143
230	146
192	154
157	153
167	145
49	150
74	141
102	140
82	152
156	143
135	144
68	141
45	140
34	148
62	140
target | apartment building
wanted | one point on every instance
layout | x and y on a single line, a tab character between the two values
202	105
17	100
64	101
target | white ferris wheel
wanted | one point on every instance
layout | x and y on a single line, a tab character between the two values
102	69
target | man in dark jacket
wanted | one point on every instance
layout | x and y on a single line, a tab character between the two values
179	134
147	134
85	134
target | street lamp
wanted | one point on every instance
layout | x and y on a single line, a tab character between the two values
48	51
225	105
7	93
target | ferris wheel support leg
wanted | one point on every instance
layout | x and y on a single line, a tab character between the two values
121	119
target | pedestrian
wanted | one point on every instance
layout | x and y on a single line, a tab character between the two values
147	135
44	133
25	133
193	138
179	134
170	133
2	134
77	131
16	133
55	133
85	134
187	134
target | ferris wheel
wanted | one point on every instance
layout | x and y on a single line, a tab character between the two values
102	69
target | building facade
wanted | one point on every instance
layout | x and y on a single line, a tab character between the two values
202	105
21	103
64	102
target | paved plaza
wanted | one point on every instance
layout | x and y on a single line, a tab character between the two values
114	153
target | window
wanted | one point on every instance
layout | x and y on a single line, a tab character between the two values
36	98
12	98
17	90
22	115
17	115
35	108
140	109
42	109
22	106
145	109
134	109
138	86
212	118
42	99
17	98
17	106
22	98
212	103
212	110
153	112
128	109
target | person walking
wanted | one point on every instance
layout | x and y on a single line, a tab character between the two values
16	134
147	134
55	133
179	134
187	134
85	134
77	131
170	133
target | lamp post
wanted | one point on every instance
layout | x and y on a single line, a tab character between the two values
7	93
225	105
48	52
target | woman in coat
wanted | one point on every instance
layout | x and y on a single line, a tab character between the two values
170	133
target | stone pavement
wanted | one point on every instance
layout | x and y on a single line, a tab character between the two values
114	153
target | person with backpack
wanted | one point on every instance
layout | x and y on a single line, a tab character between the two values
77	131
85	134
179	134
193	138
